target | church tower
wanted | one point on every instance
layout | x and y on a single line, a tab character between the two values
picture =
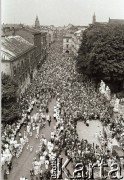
94	19
37	24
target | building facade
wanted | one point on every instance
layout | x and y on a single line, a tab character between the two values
18	60
44	48
116	21
37	37
67	40
33	36
76	42
50	34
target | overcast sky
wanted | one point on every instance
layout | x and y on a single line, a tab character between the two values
60	12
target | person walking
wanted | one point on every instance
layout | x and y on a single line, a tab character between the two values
47	110
49	121
5	175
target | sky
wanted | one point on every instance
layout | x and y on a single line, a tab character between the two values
60	12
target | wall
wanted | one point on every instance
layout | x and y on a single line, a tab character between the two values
76	42
34	39
22	69
67	44
5	67
37	44
44	46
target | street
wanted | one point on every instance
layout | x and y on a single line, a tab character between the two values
57	86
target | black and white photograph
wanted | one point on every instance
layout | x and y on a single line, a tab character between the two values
62	89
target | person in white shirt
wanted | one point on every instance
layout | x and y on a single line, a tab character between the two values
46	164
52	136
45	153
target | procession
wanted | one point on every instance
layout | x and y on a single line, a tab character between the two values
52	105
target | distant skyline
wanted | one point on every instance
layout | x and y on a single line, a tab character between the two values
60	12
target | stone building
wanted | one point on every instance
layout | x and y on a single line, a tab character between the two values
18	60
95	22
37	23
76	41
34	37
51	35
116	21
44	48
67	40
94	19
72	38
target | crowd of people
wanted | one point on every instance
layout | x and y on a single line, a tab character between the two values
76	99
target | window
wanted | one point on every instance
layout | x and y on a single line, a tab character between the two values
22	65
67	45
26	74
23	77
67	40
14	71
18	66
20	81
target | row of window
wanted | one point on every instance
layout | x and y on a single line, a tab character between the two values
24	64
23	78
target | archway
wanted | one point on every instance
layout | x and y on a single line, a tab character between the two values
67	51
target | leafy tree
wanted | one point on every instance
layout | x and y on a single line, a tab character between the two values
10	106
101	54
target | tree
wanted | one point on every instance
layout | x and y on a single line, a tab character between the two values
101	54
10	106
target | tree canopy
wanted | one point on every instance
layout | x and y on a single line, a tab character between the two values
10	107
101	54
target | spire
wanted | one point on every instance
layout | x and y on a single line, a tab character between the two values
37	24
37	17
94	18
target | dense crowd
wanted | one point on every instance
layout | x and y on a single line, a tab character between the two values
76	99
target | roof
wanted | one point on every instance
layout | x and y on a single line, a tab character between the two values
31	30
11	25
116	21
13	46
78	32
67	37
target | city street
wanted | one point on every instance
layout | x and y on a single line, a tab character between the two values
60	83
62	90
23	164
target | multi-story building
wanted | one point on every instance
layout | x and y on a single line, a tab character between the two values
76	42
72	36
51	35
44	48
116	21
67	40
18	60
32	35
